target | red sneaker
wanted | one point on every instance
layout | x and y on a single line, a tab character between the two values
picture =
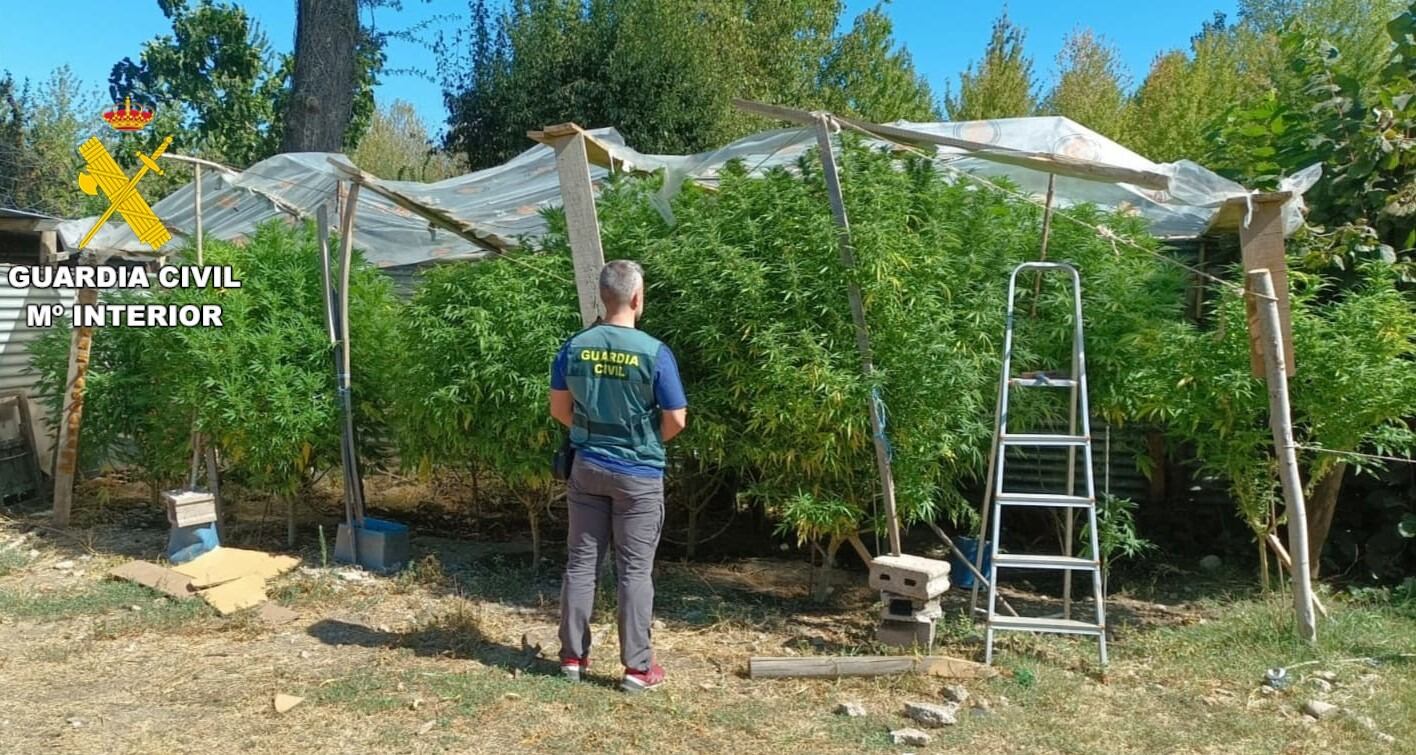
573	668
635	682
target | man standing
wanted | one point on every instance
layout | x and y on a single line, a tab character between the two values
618	390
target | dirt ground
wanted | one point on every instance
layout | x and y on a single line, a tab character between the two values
443	658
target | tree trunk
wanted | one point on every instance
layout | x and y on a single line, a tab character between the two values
322	92
290	535
691	546
533	514
1321	505
1155	449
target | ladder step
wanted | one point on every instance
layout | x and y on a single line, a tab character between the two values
1035	561
1012	439
1041	381
1039	624
1044	499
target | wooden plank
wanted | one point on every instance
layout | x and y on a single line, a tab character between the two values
1277	546
1087	170
161	579
465	230
582	224
862	333
597	152
770	667
230	597
48	247
71	415
1261	245
1281	423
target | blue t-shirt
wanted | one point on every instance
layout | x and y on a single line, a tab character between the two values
668	393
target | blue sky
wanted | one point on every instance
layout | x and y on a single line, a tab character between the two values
942	35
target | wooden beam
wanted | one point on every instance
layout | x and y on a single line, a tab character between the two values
71	414
1281	423
847	250
48	248
767	667
573	146
1062	165
597	152
1261	248
469	232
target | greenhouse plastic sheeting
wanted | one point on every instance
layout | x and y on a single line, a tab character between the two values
504	204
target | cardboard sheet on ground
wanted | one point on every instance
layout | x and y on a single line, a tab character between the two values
222	565
230	597
163	580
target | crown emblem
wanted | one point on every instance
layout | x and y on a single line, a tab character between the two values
128	118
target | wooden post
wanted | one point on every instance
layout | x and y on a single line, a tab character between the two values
843	237
71	415
1280	421
197	186
48	247
582	224
1261	246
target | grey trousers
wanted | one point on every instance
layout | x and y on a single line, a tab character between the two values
602	504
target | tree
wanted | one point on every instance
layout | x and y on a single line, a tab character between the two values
864	74
1183	94
1091	87
396	146
1360	249
323	85
214	81
220	92
664	72
39	131
999	86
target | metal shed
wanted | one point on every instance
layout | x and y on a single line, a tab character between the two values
26	238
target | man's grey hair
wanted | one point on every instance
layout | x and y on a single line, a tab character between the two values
619	279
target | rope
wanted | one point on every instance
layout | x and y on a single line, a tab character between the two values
1374	457
1102	231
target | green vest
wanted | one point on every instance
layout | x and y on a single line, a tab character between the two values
610	374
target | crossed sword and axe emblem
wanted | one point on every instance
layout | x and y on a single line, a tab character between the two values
122	192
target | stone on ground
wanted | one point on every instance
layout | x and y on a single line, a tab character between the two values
850	709
955	693
931	715
1319	709
283	703
909	737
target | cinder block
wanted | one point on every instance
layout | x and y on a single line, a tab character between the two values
910	576
906	634
903	607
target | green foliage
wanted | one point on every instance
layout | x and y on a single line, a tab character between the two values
39	133
1353	386
1170	114
215	82
1001	85
747	288
1362	132
475	369
219	88
397	147
664	71
261	386
1091	87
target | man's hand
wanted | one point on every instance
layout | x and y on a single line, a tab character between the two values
672	423
561	407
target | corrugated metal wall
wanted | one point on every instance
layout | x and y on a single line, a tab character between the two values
15	340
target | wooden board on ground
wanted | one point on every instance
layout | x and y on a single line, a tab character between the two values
161	579
230	597
221	565
770	667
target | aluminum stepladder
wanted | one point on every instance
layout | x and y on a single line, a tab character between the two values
1078	437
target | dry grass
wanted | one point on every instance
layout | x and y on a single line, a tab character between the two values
442	658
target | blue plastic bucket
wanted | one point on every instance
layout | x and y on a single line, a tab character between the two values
959	574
